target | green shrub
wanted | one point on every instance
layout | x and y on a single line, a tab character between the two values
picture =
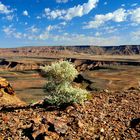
59	89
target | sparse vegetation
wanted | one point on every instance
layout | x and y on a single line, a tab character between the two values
59	89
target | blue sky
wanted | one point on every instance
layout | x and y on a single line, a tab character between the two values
69	22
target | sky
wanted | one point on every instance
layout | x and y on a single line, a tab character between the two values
69	22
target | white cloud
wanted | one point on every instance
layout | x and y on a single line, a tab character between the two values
105	3
38	17
123	5
99	20
97	34
76	11
18	35
81	39
8	30
62	39
109	29
54	14
33	29
61	1
134	4
135	15
5	9
11	32
63	23
32	33
10	17
45	34
25	13
120	15
136	35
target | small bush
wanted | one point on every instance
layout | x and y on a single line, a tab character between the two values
59	89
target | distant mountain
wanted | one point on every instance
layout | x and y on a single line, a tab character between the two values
68	50
123	50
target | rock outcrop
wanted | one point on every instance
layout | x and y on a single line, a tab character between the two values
7	94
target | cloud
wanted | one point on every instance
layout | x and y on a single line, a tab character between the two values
76	11
38	17
63	23
134	4
81	39
11	32
110	29
32	29
32	33
5	9
8	30
54	14
120	15
105	3
46	33
61	1
25	13
61	39
136	35
123	5
135	15
10	17
99	20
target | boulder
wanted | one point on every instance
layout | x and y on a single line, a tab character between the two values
7	94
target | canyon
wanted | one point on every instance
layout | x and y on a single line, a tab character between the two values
100	67
110	74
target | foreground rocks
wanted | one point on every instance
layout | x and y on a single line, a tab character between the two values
7	94
110	115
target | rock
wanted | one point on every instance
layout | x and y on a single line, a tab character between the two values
69	109
135	123
39	133
6	87
57	124
1	94
102	130
7	94
80	124
61	127
80	78
106	90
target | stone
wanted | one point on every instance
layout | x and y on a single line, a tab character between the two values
57	124
102	130
1	94
7	94
80	124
